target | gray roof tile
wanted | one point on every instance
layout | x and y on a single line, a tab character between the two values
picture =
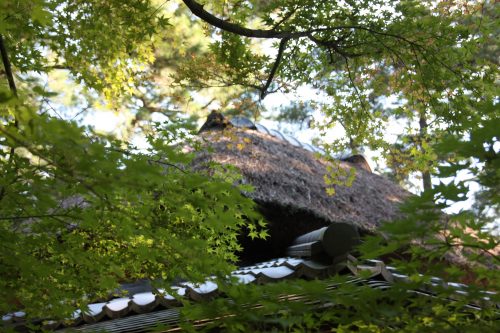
94	313
244	278
117	308
145	307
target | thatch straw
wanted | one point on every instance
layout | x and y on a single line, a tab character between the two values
291	177
290	187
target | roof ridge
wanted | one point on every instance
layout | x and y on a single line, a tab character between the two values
346	156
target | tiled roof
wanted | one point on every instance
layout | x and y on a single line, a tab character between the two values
145	307
138	312
143	310
150	309
161	306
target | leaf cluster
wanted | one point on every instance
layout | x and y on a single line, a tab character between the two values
81	213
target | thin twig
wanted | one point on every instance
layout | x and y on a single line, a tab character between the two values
285	17
354	84
34	216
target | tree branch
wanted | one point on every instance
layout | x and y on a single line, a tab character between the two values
199	11
8	68
58	66
334	45
279	56
150	160
285	17
13	89
211	19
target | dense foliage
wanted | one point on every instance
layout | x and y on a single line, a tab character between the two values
81	212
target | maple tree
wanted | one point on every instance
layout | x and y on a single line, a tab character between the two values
152	217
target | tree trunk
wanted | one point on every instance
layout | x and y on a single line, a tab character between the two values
426	174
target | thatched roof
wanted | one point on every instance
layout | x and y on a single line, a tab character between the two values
291	177
290	187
